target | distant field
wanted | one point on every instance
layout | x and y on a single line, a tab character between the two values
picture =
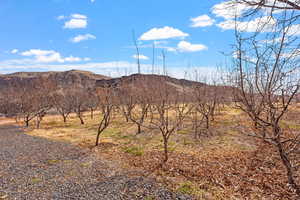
6	121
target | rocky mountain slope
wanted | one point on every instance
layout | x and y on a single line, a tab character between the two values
147	79
63	79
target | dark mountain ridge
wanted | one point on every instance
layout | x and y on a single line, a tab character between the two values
86	79
62	79
131	79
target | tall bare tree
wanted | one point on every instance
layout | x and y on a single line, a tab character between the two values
266	68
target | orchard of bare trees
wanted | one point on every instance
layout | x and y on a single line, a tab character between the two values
262	82
139	102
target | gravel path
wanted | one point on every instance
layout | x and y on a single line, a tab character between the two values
37	168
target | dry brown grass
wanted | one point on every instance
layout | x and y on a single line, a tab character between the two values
124	134
221	165
5	121
121	143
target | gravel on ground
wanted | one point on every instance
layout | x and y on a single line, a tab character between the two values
37	168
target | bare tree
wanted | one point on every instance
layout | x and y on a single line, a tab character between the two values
274	5
169	109
62	103
30	100
136	101
92	102
205	98
139	114
8	103
266	67
78	98
127	101
106	104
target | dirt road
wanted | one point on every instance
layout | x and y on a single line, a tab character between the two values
37	168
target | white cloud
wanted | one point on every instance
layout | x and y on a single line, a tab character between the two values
80	38
76	21
53	57
113	69
197	73
229	9
182	46
261	24
46	56
202	21
244	56
37	52
141	57
228	24
163	33
185	46
78	16
61	17
14	51
294	54
294	30
72	59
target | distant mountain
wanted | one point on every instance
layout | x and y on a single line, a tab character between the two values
137	78
62	79
156	82
86	79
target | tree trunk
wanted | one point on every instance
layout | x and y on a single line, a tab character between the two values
65	118
207	122
80	117
27	121
100	130
196	134
97	139
166	156
38	122
139	129
81	120
289	169
212	115
92	113
126	117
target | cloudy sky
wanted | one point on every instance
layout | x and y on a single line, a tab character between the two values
97	35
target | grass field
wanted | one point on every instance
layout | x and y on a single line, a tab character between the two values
216	166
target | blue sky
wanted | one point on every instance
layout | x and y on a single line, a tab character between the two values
97	35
